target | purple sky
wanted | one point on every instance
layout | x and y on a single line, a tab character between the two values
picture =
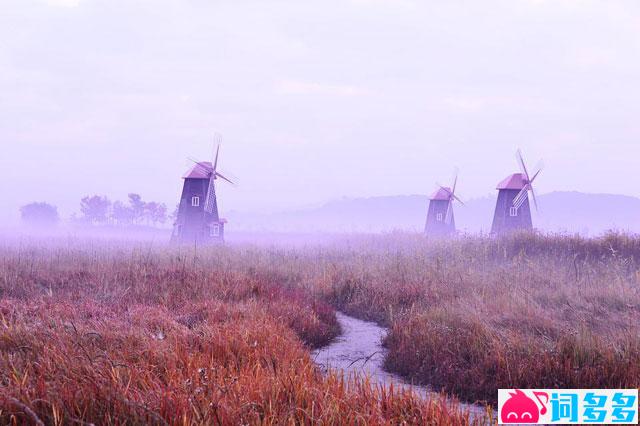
315	99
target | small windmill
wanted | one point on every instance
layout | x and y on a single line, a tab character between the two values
198	218
512	208
440	220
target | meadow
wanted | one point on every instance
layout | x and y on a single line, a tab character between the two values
115	333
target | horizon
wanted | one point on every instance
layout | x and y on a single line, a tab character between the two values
378	214
338	199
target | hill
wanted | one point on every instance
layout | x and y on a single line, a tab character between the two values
588	214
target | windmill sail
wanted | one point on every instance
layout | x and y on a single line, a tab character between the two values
519	200
211	204
449	214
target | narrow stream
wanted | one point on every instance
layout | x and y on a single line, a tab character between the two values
359	350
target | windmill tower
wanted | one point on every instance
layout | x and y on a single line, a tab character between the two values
512	208
198	219
440	220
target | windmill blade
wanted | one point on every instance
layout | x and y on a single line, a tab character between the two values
444	188
210	201
539	165
201	167
193	160
521	197
221	176
448	215
522	165
217	140
455	183
519	200
215	160
457	199
535	176
533	195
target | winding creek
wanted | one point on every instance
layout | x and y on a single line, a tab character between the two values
358	350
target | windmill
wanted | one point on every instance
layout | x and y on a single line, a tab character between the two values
440	220
512	208
198	218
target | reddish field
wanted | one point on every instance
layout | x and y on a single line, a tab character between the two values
122	335
128	333
474	315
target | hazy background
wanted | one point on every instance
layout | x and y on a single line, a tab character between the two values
316	100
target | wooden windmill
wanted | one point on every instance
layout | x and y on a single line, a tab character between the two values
512	208
440	220
198	219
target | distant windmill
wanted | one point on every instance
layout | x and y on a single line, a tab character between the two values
198	218
440	220
512	208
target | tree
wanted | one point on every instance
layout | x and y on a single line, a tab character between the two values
155	212
95	208
121	213
39	214
174	214
137	207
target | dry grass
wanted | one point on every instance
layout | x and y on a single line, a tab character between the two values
123	334
117	334
473	315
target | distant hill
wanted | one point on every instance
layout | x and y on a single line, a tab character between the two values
587	214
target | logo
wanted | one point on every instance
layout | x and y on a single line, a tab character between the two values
569	406
519	408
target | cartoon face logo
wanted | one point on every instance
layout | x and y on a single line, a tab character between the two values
519	408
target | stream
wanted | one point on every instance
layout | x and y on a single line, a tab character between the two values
359	350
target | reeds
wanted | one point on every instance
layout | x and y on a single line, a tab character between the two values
472	315
125	335
122	333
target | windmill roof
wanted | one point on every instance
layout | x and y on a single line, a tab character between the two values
200	170
441	194
514	181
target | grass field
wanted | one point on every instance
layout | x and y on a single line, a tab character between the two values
114	333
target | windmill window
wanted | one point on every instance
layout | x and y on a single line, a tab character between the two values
215	230
195	201
439	217
513	211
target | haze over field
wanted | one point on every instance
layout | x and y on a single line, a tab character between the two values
572	212
315	100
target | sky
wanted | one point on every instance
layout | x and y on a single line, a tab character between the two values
315	100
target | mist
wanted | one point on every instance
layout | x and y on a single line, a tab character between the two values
315	101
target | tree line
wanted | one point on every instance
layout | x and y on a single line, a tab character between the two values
100	210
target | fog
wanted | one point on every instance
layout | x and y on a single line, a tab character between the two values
315	100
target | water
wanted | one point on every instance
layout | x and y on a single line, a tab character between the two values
358	350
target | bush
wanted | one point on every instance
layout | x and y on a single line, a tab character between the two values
39	214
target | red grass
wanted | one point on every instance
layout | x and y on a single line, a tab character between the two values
473	315
112	336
